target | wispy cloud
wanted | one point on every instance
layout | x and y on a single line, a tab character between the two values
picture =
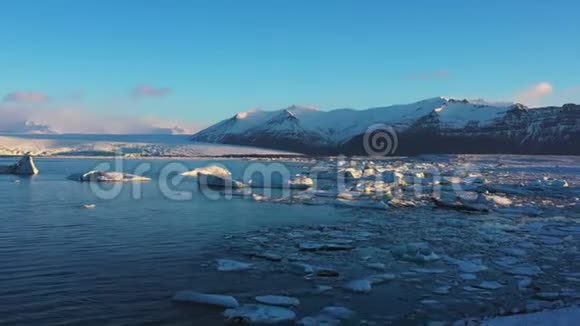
534	93
145	90
440	74
26	97
78	119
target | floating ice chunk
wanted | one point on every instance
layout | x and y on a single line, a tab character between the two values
351	173
349	195
490	285
371	204
298	182
398	202
218	181
210	170
564	316
228	265
507	189
314	246
101	176
317	270
323	193
548	183
376	266
415	252
277	300
450	180
460	206
225	301
498	200
259	314
25	166
359	286
469	266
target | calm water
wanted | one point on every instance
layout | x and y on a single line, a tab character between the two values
120	263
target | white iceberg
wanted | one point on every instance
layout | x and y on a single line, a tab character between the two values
103	176
25	166
219	300
259	314
359	286
277	300
210	169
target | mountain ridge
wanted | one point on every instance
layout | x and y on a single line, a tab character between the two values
434	125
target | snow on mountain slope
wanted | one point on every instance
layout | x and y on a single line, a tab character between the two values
338	126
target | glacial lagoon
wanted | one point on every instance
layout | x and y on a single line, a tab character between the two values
71	256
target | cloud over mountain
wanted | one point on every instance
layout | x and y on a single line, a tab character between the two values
534	93
26	97
145	90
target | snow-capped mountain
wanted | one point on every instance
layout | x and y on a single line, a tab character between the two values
436	125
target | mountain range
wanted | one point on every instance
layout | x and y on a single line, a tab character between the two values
431	126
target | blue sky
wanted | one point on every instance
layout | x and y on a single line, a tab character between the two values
202	61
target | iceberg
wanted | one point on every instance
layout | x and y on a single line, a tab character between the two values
277	300
228	265
298	182
259	314
103	176
225	301
210	169
220	181
25	166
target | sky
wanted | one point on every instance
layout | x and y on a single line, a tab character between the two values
144	66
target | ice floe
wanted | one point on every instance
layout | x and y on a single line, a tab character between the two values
210	170
219	300
277	300
218	181
359	286
259	314
105	176
229	265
